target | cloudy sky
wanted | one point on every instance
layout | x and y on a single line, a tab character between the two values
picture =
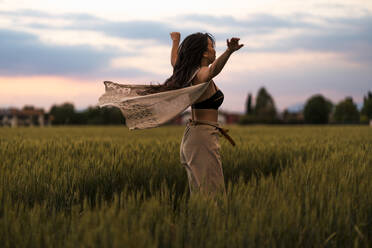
57	51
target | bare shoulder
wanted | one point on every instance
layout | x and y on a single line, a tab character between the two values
203	75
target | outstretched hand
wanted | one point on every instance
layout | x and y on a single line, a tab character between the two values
175	36
233	44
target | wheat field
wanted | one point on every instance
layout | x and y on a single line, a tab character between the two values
287	186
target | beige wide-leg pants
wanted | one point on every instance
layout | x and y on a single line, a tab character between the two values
200	155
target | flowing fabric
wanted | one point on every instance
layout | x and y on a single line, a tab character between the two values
152	110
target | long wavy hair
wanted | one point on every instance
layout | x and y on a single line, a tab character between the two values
190	54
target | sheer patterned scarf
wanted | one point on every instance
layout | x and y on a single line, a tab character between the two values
147	111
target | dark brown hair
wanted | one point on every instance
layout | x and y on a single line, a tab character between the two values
190	53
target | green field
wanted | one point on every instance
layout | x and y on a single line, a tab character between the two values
287	186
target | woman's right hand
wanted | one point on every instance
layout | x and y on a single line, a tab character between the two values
175	36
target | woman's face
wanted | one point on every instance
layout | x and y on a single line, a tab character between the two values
210	54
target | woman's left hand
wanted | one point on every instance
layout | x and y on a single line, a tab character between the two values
233	44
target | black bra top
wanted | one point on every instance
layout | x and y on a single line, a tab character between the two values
212	102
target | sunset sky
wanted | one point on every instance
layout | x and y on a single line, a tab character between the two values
57	51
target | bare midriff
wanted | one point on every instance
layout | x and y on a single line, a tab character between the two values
205	114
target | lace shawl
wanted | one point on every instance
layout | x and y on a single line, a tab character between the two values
147	111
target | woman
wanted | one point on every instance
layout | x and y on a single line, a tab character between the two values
194	62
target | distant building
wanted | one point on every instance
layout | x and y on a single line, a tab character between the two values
28	116
230	117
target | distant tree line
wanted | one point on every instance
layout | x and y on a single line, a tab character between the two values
65	114
263	112
317	110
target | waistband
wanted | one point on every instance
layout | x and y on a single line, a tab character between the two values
223	131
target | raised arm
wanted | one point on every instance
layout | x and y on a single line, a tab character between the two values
175	36
207	73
